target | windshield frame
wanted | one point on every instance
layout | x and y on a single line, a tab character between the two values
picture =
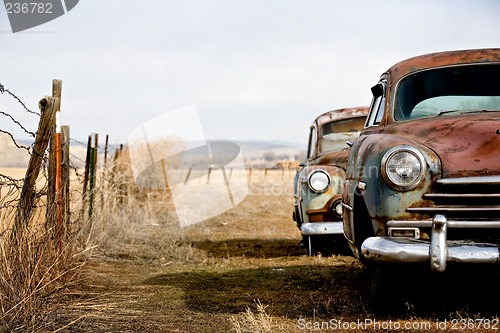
392	109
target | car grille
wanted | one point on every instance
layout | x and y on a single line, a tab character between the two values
471	205
470	198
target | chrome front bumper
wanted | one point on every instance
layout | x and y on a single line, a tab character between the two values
438	251
321	228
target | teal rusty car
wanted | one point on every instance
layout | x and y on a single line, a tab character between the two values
318	184
423	178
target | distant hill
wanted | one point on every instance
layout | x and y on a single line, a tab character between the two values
264	152
12	156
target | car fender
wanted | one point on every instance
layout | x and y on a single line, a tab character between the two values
382	201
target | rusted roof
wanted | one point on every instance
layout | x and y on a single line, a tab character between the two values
341	114
442	59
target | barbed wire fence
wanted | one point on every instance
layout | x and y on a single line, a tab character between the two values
32	261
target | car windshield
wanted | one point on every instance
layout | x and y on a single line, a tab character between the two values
458	88
333	135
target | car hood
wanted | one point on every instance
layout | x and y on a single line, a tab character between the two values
335	158
468	144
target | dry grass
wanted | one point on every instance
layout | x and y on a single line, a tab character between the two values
33	273
242	271
261	322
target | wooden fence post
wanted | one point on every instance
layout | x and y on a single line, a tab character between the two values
86	178
93	160
65	178
48	107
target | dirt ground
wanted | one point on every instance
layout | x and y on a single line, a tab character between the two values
244	271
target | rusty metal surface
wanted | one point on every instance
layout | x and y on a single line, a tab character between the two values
466	143
440	59
337	158
316	206
341	114
455	146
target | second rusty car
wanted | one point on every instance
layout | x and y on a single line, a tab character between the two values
423	179
318	184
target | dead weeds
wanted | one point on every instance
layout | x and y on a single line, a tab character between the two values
242	271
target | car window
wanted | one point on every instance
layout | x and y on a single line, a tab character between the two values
377	106
312	142
333	135
460	88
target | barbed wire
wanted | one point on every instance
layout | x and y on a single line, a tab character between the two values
3	90
15	142
18	123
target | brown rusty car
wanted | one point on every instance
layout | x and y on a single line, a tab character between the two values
423	178
318	184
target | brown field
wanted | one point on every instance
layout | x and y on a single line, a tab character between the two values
242	271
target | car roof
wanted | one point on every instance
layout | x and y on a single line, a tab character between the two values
440	59
340	114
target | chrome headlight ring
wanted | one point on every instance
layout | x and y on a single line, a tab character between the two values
403	167
319	180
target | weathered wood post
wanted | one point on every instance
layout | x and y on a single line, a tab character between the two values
93	162
52	219
65	178
86	178
59	211
48	107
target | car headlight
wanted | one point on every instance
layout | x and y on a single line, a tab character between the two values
319	180
403	167
336	209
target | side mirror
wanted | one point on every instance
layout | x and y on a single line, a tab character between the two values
377	90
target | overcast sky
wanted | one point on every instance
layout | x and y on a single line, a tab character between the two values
256	70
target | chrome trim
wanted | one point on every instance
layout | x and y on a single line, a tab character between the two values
362	186
415	230
371	117
349	143
346	206
395	249
401	249
321	228
439	250
460	195
315	171
453	209
487	180
451	224
397	149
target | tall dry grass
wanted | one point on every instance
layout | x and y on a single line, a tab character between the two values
132	222
258	321
33	272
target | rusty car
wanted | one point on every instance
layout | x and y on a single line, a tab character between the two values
423	178
318	184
